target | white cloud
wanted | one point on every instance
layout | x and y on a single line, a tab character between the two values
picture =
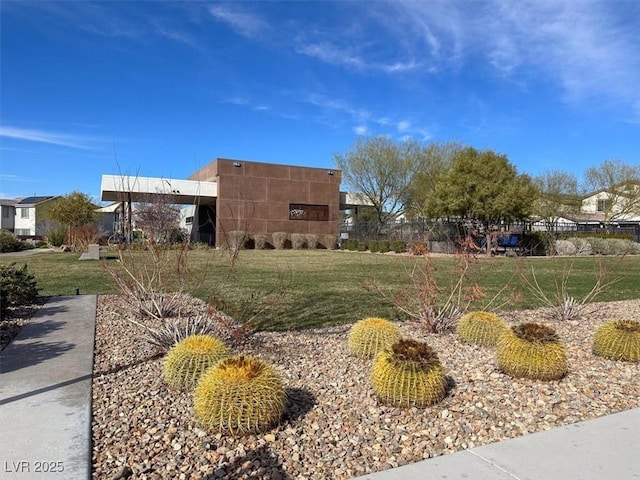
352	59
403	126
360	130
588	49
40	136
243	23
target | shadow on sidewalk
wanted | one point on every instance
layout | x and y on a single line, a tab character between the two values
21	355
38	391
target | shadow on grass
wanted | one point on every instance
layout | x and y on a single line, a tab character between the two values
258	463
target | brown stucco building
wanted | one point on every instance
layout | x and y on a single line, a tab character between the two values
263	198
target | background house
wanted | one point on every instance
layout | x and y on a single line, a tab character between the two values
31	217
7	214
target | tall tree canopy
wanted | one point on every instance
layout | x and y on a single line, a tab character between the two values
73	210
436	162
621	184
484	186
381	170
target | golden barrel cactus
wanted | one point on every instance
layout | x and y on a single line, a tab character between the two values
480	328
239	395
370	336
408	374
531	350
618	340
188	359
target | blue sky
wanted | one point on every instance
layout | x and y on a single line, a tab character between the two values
162	88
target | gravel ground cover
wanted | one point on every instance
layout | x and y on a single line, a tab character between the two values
334	427
15	320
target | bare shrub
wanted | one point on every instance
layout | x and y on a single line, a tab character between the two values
312	240
259	241
298	241
562	304
436	307
236	239
330	241
279	240
583	248
565	248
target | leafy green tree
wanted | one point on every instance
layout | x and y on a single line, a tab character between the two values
620	184
74	210
483	186
436	162
381	170
558	195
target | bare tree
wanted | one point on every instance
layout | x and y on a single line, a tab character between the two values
619	185
557	196
157	216
381	170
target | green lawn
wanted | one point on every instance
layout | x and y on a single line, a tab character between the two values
321	288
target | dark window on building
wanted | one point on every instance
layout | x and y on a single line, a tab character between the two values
24	213
301	211
604	205
5	212
189	220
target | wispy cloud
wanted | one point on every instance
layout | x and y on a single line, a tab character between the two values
587	48
243	23
363	119
53	138
15	178
351	59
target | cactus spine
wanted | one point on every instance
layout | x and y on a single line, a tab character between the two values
239	395
408	374
618	340
370	336
532	351
481	328
188	359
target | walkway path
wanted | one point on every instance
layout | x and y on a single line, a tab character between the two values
45	393
601	449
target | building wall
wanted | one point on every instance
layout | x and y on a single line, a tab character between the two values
7	217
257	197
28	224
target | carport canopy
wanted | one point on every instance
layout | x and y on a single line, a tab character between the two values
119	188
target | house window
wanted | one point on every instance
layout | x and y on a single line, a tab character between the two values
5	212
301	211
24	213
189	220
22	232
603	205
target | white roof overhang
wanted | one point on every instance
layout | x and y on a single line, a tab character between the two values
118	188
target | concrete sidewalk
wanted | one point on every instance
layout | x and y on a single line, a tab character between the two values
604	448
45	393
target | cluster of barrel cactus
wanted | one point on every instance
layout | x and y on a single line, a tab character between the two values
243	394
233	394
